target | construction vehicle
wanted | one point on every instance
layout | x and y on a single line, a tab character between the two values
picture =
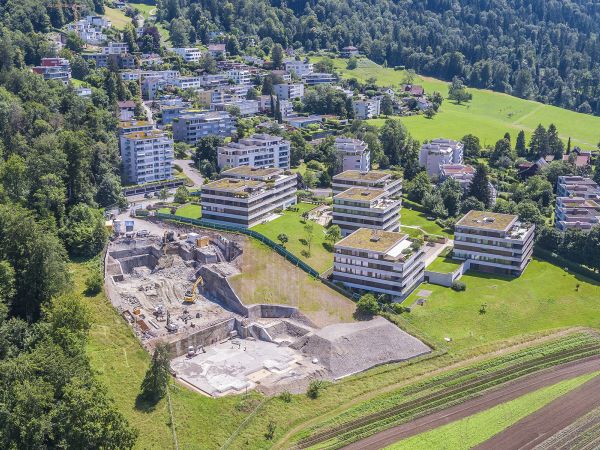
190	296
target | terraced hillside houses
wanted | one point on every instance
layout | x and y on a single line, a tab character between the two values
246	196
384	262
493	242
576	213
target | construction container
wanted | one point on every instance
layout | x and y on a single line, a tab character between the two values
118	226
192	238
129	225
204	241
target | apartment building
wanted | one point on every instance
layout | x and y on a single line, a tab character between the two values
300	68
576	186
134	126
375	179
246	107
115	48
312	79
494	242
247	196
461	173
439	152
360	207
259	150
146	156
289	91
353	154
576	213
384	262
187	82
192	126
54	69
240	76
217	50
189	54
367	108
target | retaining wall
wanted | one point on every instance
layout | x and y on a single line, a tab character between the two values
203	337
446	279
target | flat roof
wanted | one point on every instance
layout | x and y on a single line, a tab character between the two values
251	171
150	134
134	123
356	175
487	220
375	240
361	193
232	184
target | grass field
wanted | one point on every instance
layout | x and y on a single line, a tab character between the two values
443	265
489	115
117	17
267	278
144	8
471	431
415	218
291	223
544	297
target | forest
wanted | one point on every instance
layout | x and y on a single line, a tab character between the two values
536	49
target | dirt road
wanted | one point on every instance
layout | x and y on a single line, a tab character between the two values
499	395
547	421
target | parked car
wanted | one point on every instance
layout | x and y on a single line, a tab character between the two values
143	233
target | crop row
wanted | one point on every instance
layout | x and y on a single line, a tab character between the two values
580	435
459	391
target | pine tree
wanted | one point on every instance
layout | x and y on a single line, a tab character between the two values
555	145
539	142
568	146
507	136
154	385
520	146
480	186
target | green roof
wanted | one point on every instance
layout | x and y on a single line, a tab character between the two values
487	220
249	171
356	175
361	194
232	184
374	240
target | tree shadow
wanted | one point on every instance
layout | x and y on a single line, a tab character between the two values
145	405
327	246
303	241
362	316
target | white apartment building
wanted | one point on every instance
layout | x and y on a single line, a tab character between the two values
134	126
115	48
187	82
135	75
384	262
260	150
189	54
367	108
576	186
286	107
439	152
146	156
192	126
246	107
576	213
240	76
300	68
493	242
462	173
353	154
289	91
375	179
312	79
360	207
247	196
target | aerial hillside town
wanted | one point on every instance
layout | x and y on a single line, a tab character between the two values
252	224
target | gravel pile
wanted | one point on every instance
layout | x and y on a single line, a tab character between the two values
349	348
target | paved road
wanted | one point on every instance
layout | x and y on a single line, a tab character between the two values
190	171
547	421
503	394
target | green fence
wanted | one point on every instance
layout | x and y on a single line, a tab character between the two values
233	229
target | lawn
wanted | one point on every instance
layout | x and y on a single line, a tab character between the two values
415	218
292	224
545	297
144	8
489	115
120	363
267	278
117	17
468	432
188	210
444	265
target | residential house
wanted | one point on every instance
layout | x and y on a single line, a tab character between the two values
439	152
259	150
360	207
372	179
192	126
576	213
353	154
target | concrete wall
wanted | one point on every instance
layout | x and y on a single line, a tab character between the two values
446	279
203	337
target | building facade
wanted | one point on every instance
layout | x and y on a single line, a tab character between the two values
192	126
576	213
367	108
576	186
383	262
375	179
353	154
146	156
439	152
493	242
189	54
247	196
289	91
360	207
259	150
300	68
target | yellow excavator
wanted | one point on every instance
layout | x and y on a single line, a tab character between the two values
190	296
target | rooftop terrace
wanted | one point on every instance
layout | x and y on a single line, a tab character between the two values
487	220
373	240
360	194
357	175
250	171
233	184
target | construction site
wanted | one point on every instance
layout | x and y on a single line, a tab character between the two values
176	289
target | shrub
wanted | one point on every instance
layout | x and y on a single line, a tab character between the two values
285	396
314	389
459	286
367	305
93	283
397	308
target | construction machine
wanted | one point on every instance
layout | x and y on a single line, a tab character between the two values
190	296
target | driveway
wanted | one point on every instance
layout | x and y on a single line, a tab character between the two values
187	165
